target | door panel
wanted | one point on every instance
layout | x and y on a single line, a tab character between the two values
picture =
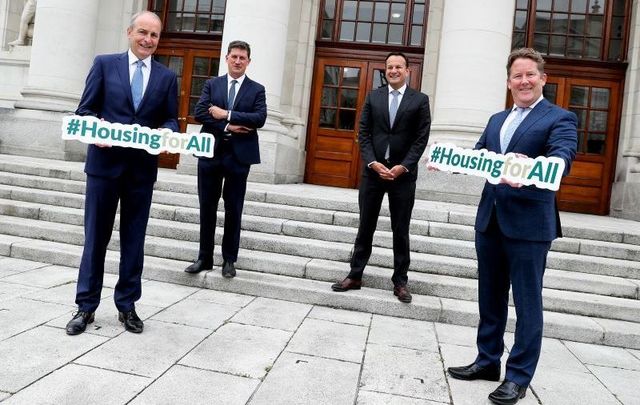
193	68
596	104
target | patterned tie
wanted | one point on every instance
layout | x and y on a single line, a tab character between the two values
393	109
232	94
136	84
511	129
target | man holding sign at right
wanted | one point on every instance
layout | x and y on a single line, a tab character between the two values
515	226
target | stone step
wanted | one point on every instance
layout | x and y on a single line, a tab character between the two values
446	310
281	259
170	185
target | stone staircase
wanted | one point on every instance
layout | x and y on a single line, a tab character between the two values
297	240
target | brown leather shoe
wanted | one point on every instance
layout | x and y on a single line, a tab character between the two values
402	292
347	284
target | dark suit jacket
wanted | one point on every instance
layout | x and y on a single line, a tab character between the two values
107	95
528	213
408	137
250	110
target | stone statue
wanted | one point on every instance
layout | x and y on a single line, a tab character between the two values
28	12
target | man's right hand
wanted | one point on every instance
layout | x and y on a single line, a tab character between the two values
382	171
238	129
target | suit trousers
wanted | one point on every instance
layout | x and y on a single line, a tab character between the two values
503	262
221	175
401	194
101	203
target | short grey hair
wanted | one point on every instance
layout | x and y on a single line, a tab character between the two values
134	17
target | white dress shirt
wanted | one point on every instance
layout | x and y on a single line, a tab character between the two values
146	69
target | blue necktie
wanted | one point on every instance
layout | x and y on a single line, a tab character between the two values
136	85
511	129
232	95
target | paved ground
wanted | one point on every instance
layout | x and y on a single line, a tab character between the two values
209	347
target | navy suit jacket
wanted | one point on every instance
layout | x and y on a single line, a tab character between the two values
107	95
249	109
408	137
528	213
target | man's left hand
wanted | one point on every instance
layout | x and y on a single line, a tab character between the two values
397	171
218	113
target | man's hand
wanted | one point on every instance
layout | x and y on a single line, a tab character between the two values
102	145
238	129
382	171
432	167
397	171
218	113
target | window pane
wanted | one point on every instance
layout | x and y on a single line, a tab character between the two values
379	33
598	121
544	5
416	35
188	22
582	117
615	50
347	30
327	29
379	79
327	118
397	12
617	27
351	77
197	84
557	45
348	98
395	34
349	10
576	25
347	119
218	6
331	75
579	6
329	97
162	59
550	92
518	40
542	22
381	13
190	5
574	47
213	67
204	5
520	21
203	23
581	148
541	43
561	5
560	23
217	23
595	143
365	11
618	7
173	23
363	32
592	48
200	66
595	26
192	105
579	96
418	14
521	3
329	9
596	6
175	64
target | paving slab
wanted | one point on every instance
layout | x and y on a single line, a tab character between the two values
331	340
340	316
76	384
465	336
401	371
4	395
20	314
242	350
10	265
9	291
565	387
605	356
29	356
44	277
224	298
161	294
407	333
555	355
272	313
197	313
299	379
64	294
185	385
146	354
622	383
378	398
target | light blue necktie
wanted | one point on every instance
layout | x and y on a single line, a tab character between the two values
232	95
393	109
136	84
511	129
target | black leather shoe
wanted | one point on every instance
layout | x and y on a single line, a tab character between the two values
78	323
402	292
228	270
475	372
131	321
507	393
198	266
347	284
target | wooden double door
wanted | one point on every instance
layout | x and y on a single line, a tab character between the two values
340	87
193	68
587	188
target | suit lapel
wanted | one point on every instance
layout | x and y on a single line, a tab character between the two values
538	112
123	73
380	100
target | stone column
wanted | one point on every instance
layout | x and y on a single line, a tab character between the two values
61	54
475	40
264	25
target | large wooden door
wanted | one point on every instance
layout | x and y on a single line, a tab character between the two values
340	87
193	67
587	188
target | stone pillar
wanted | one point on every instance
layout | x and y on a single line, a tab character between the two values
625	193
62	52
475	40
467	47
